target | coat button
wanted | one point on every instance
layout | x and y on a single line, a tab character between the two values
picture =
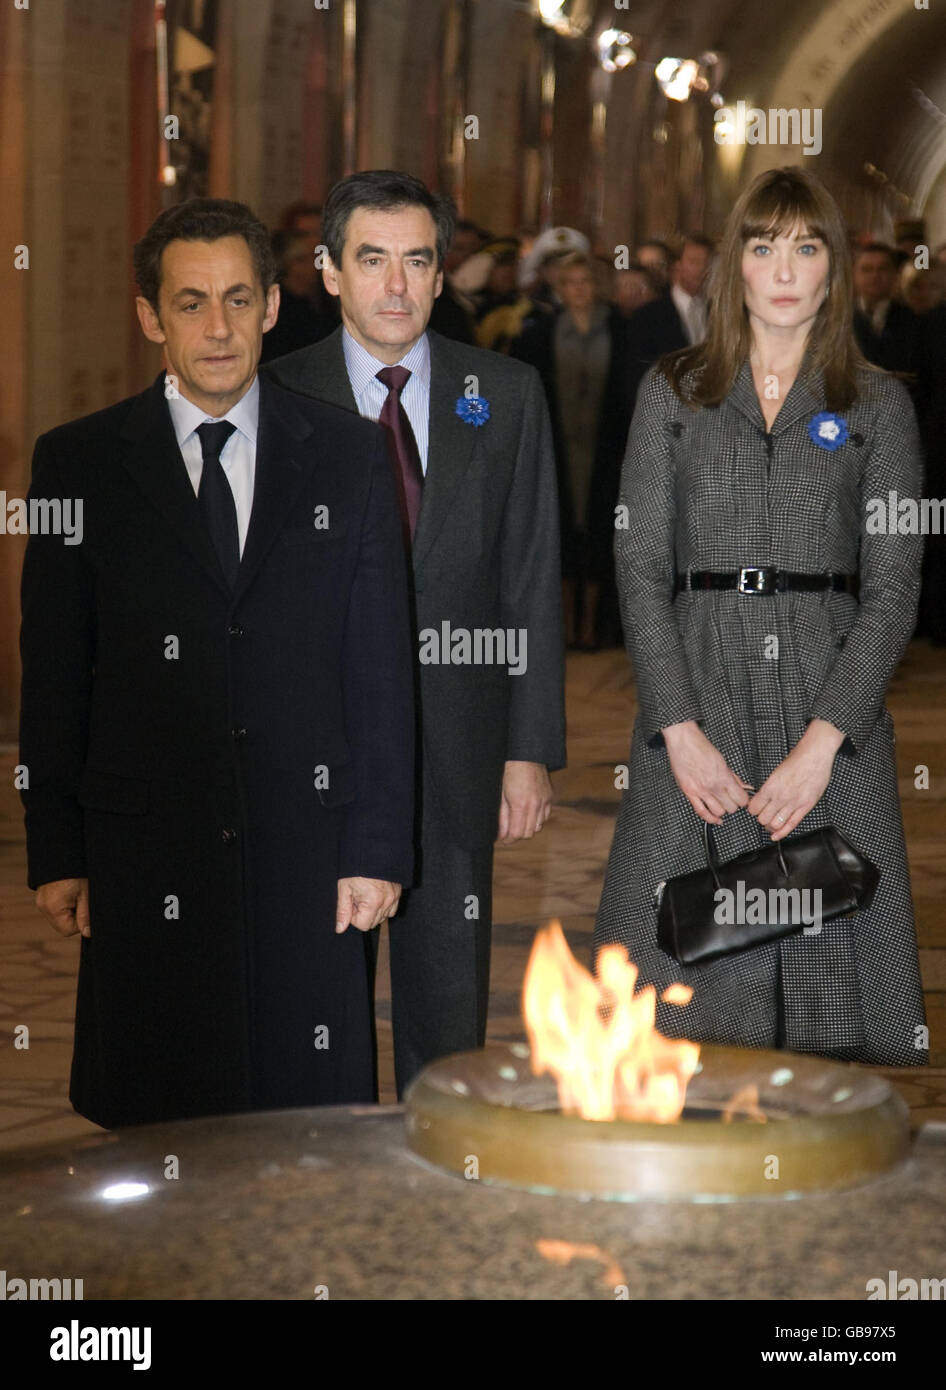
237	734
235	630
228	836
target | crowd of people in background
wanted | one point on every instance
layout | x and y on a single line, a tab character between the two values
593	324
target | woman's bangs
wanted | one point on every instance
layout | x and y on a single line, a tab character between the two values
779	210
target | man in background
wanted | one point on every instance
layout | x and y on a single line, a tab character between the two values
672	321
887	331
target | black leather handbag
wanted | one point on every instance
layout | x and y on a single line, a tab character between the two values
731	907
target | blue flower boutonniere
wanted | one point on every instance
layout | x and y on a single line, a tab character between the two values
473	409
828	431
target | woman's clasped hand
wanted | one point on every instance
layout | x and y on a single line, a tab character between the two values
786	796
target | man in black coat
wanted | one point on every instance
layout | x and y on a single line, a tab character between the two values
217	714
472	442
887	331
673	321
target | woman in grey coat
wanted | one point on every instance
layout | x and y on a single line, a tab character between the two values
753	464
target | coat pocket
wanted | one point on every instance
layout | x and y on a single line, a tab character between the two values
342	785
112	791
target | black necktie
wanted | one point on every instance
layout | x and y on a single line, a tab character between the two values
216	498
408	473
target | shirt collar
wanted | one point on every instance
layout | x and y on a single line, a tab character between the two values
186	416
681	298
362	367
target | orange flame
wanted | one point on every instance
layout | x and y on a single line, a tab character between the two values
562	1252
597	1037
745	1102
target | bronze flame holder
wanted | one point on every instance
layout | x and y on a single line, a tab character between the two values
828	1125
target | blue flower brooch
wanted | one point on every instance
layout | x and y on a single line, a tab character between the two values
828	431
474	410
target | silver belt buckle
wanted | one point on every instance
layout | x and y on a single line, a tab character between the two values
758	586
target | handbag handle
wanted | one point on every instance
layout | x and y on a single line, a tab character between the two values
713	862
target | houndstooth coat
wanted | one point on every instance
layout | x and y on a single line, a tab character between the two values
707	489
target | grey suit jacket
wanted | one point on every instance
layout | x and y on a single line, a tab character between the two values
486	574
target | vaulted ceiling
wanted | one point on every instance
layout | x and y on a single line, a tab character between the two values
875	68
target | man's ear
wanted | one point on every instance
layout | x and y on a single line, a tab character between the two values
148	318
272	308
330	277
438	284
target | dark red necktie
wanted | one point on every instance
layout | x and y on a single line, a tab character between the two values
403	445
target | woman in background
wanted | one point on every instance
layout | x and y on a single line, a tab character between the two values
579	355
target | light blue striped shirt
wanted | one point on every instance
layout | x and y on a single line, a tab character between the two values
370	394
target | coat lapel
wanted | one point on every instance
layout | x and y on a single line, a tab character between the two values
450	445
279	473
803	400
330	373
156	464
450	441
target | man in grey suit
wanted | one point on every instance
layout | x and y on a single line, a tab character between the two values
472	453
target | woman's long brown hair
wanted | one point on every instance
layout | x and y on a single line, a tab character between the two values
774	204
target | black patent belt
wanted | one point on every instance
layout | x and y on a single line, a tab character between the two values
751	579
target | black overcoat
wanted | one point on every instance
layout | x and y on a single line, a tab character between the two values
214	762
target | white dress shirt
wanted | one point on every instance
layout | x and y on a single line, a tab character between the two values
876	316
692	310
371	394
238	457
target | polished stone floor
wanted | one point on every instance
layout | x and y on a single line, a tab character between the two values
557	874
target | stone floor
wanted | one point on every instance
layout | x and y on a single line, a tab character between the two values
558	874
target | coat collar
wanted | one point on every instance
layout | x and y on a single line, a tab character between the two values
805	398
451	440
332	383
156	464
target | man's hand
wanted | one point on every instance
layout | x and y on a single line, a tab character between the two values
65	903
365	902
702	773
526	802
798	783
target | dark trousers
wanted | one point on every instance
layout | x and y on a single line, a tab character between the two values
439	942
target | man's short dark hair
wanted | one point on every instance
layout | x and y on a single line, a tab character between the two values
201	219
661	246
879	248
386	190
693	239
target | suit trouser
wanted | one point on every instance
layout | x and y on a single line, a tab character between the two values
440	947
